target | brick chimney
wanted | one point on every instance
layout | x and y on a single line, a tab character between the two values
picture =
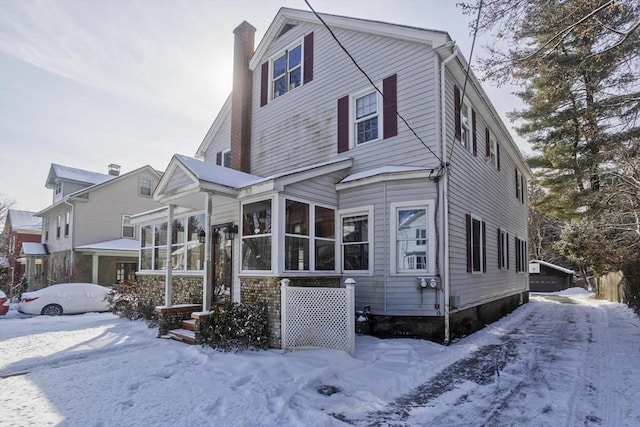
241	97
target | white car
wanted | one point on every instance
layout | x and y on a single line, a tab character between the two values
65	298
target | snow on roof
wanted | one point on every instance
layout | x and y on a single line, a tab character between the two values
216	174
24	220
556	267
382	170
79	175
30	248
113	245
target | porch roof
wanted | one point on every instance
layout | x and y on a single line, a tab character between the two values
117	247
33	249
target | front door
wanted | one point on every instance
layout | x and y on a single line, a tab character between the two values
222	257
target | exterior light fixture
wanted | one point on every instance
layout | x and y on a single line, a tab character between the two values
202	236
230	232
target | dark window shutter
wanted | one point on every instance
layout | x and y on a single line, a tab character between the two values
484	247
390	105
487	143
507	249
343	124
468	222
517	243
219	158
498	154
523	189
308	58
500	249
517	184
474	133
264	84
456	106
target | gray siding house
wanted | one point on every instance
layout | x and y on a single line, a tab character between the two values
86	231
311	173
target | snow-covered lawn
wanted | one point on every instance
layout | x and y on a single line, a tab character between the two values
559	360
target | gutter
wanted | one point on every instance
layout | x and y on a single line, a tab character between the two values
445	193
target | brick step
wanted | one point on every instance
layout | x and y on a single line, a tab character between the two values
189	324
184	335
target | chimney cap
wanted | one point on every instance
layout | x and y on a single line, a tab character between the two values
114	170
244	25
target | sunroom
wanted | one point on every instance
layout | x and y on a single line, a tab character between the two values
227	235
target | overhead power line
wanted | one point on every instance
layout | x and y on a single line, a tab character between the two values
370	81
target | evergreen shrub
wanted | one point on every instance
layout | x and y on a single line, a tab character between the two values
236	327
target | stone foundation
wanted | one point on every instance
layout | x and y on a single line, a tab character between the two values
185	289
461	323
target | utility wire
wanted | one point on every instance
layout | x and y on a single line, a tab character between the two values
466	74
371	81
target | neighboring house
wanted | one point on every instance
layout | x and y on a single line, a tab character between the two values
20	227
547	277
86	231
323	181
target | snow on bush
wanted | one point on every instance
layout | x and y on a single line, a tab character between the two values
236	327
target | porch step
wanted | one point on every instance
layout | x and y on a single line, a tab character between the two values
184	335
189	324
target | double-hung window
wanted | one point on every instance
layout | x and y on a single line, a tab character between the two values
521	255
256	236
226	158
306	247
145	186
58	226
67	221
413	237
492	148
366	120
58	188
465	124
503	249
46	230
287	71
476	245
128	230
356	240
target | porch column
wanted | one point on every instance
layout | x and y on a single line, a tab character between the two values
206	280
94	268
169	277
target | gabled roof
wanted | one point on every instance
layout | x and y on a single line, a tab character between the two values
59	173
110	181
24	220
215	127
403	32
554	266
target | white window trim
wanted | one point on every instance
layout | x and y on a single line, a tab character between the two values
345	213
224	153
468	143
152	271
311	237
140	179
288	48
477	218
127	217
493	150
275	234
352	115
504	246
429	205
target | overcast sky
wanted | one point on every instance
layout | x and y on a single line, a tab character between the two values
88	83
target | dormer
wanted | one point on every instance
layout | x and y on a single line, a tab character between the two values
64	180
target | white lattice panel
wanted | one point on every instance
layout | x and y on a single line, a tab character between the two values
318	317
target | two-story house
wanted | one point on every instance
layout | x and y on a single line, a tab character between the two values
397	172
20	227
86	230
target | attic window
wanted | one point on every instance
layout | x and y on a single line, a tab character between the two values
58	187
285	29
287	71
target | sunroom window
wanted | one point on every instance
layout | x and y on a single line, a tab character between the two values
301	239
256	236
287	71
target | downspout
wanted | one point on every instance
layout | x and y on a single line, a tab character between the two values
446	285
72	224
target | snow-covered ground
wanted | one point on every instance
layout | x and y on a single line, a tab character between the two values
563	359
